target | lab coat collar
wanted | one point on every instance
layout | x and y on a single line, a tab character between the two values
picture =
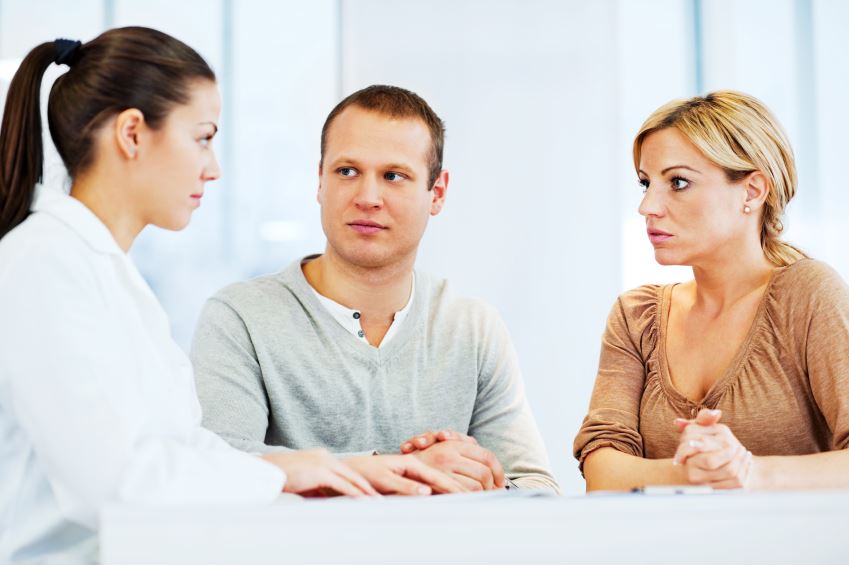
78	217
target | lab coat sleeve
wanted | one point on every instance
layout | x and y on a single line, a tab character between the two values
76	396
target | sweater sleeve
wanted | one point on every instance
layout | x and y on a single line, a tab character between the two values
613	417
502	420
827	346
229	379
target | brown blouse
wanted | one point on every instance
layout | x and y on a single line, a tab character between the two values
785	393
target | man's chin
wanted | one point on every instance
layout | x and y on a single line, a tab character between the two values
368	259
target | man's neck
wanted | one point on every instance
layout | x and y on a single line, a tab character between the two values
377	293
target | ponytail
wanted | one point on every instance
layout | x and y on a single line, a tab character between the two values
130	67
21	150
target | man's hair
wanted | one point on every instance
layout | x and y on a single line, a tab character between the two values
395	102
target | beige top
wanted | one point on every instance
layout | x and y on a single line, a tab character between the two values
785	393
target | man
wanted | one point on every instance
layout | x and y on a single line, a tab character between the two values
354	350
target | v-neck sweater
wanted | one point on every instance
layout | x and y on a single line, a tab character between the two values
275	370
786	391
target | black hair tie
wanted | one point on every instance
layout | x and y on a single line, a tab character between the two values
66	51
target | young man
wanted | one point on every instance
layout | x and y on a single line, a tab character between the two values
354	350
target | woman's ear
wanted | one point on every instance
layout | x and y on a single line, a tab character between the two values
757	190
127	129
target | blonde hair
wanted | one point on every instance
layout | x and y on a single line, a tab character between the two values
738	133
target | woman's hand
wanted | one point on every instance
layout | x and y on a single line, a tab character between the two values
315	472
403	474
711	454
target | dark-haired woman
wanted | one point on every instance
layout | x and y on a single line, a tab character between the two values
97	404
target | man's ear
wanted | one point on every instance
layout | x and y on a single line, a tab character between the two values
440	191
127	130
320	178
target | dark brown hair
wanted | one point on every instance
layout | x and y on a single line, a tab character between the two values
131	67
395	102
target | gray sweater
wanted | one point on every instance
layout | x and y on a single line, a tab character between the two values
275	370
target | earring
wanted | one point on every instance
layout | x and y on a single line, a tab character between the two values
746	209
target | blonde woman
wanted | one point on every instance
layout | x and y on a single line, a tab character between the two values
740	377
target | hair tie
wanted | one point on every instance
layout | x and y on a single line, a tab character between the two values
66	51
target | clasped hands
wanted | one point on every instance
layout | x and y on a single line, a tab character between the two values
710	453
432	462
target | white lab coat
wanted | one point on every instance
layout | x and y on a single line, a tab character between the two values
97	403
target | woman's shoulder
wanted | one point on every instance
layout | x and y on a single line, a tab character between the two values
810	279
636	310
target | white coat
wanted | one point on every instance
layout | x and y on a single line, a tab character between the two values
97	403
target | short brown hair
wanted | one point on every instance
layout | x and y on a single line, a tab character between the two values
395	102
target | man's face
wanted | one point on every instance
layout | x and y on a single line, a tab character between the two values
373	188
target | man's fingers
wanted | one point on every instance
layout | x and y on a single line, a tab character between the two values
439	481
475	471
448	435
485	457
468	485
421	441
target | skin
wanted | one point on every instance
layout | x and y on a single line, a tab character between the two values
376	169
689	197
143	176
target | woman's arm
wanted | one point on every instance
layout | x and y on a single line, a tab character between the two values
609	469
814	471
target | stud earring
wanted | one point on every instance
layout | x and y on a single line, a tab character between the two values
746	209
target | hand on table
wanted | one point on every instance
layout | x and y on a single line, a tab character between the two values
403	474
711	454
468	463
425	440
315	472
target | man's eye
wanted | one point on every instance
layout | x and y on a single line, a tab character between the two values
347	171
392	176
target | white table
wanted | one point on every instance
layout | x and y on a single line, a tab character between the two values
720	529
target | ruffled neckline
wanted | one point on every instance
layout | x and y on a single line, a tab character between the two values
731	372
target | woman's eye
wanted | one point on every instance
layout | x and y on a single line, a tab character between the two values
347	171
392	176
205	141
644	184
679	183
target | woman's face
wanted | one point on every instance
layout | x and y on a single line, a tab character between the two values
692	211
180	159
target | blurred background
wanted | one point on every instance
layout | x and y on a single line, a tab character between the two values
541	99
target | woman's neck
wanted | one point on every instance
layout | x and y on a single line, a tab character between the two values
102	196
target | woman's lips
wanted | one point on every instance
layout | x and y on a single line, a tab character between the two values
658	236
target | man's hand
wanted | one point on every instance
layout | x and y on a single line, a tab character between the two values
403	474
469	464
316	472
426	439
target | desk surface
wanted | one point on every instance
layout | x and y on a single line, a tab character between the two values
720	529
